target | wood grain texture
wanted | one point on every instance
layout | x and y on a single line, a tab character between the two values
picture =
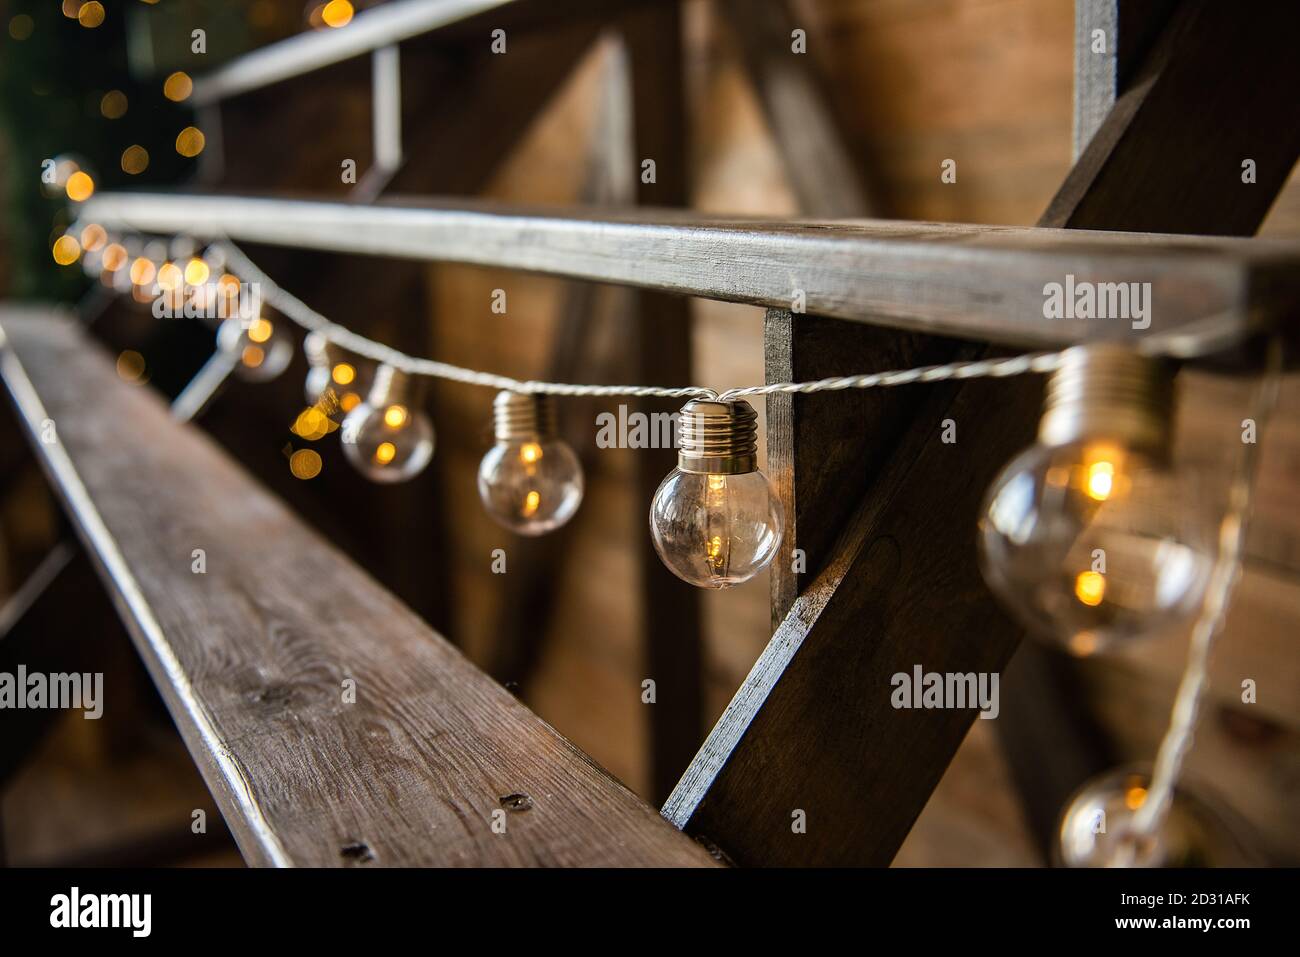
976	282
1218	88
251	656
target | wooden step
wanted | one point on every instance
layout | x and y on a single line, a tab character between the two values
253	656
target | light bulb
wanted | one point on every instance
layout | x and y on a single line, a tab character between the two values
530	481
387	437
335	384
1096	828
260	348
1091	537
716	521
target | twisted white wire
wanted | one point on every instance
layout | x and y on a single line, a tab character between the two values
1177	742
311	320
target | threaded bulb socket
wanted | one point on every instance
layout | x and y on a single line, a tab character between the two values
523	417
1109	391
391	387
718	438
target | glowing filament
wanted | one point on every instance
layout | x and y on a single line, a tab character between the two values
395	416
259	330
1101	480
531	502
344	373
1135	797
385	453
1090	588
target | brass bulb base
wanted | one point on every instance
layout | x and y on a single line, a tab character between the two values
718	438
1107	391
391	387
318	350
523	417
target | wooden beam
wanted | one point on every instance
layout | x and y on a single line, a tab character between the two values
1111	41
818	162
1217	90
253	657
977	282
812	728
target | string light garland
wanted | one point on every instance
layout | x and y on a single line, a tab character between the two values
1145	818
1085	536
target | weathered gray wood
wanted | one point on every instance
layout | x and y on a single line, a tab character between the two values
1104	65
978	282
252	656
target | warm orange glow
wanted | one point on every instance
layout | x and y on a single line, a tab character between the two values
91	14
112	106
178	86
253	356
259	330
1135	797
531	502
135	160
717	483
130	366
395	416
336	13
80	187
190	141
93	237
114	257
530	453
142	271
1083	644
1101	480
66	250
1090	588
196	272
385	453
170	277
311	424
714	550
349	401
343	373
305	464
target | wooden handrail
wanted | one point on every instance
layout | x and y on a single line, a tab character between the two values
985	283
254	655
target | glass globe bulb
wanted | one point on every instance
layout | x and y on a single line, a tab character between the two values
388	442
531	487
1096	828
261	349
715	531
1090	544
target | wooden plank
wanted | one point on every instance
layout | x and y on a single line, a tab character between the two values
1197	109
812	728
1104	65
978	282
251	657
